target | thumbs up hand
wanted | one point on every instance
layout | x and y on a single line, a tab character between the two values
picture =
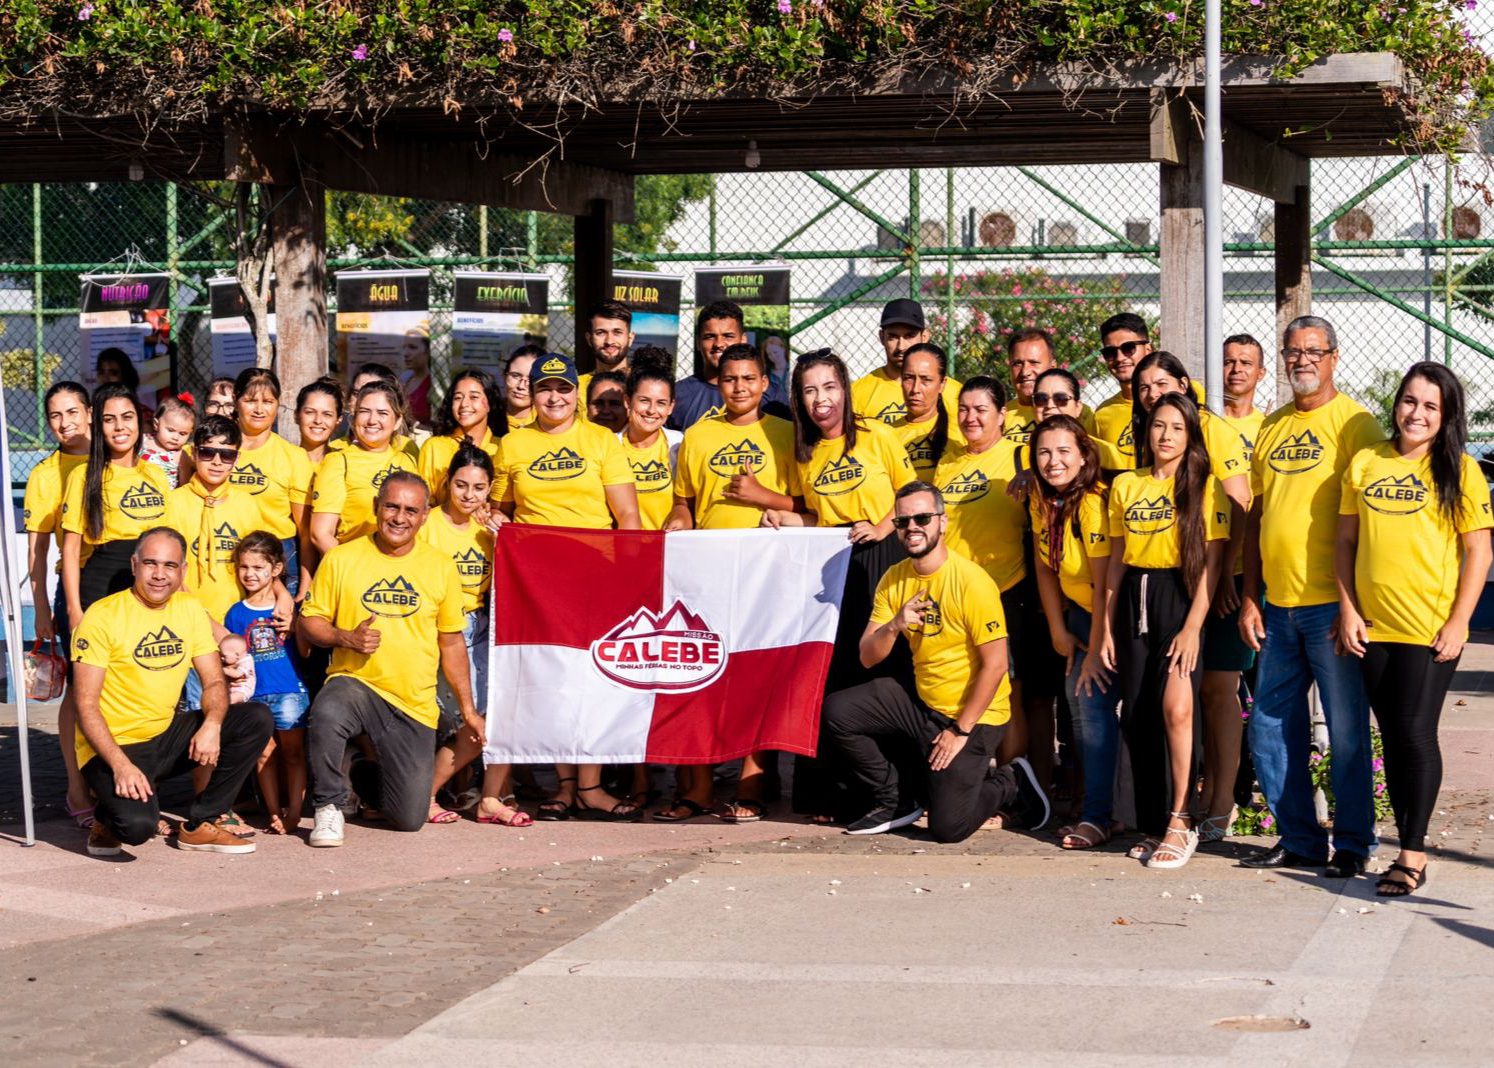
744	486
362	638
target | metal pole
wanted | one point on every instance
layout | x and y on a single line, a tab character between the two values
531	239
949	266
173	254
38	320
1213	181
713	219
915	235
482	231
1447	262
1426	271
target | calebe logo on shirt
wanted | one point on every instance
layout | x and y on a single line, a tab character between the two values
1298	453
160	650
225	540
559	465
839	476
729	459
143	501
932	622
379	479
649	476
1126	443
891	413
392	598
966	488
473	567
1406	495
250	477
1150	516
921	452
1021	433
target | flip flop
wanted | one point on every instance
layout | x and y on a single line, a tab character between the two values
516	818
1096	836
755	810
695	809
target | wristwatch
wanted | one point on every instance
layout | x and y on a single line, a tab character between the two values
954	725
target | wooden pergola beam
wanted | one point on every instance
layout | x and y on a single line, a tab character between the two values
1251	162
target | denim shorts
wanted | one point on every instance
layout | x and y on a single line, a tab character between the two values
289	709
475	636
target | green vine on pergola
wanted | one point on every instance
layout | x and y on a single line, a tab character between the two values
174	61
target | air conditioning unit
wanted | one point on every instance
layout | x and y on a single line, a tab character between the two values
1466	223
1356	224
996	229
1063	233
931	234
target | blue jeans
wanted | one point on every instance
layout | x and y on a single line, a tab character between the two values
1096	730
475	634
1297	652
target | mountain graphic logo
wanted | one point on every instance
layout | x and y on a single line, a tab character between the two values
473	566
1126	443
713	411
160	650
932	622
1249	447
1150	516
554	366
840	475
728	459
921	452
559	465
1406	495
966	488
378	479
392	598
650	476
250	477
673	652
143	501
893	412
1020	431
1298	453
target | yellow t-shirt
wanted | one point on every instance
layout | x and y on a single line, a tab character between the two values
560	479
399	443
1112	423
1021	419
1410	555
134	501
985	524
277	475
966	613
1297	477
715	450
917	438
879	395
1248	427
42	508
347	483
436	454
1142	512
524	418
145	654
471	549
1090	542
411	598
653	478
209	574
842	489
1226	454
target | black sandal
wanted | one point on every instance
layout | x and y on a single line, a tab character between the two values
694	809
1385	886
555	809
622	812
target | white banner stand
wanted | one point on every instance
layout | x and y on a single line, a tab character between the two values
10	603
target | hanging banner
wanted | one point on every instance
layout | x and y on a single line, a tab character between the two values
128	313
233	343
654	300
763	293
384	317
493	314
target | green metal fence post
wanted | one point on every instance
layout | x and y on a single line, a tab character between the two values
38	320
949	308
531	239
1447	264
712	220
173	253
482	231
915	233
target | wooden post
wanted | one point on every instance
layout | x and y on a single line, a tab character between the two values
299	222
592	280
1182	252
1293	274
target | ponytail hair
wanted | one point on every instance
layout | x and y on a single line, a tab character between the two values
1189	484
939	439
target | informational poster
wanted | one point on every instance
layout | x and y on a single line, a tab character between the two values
495	313
128	313
384	317
654	300
763	294
233	344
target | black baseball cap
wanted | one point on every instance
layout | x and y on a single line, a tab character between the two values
903	312
554	365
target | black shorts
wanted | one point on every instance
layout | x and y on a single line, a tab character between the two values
1033	662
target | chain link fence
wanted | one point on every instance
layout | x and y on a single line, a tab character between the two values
1403	263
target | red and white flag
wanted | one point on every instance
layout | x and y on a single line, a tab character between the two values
617	647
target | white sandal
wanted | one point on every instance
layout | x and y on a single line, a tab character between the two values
1216	828
1167	857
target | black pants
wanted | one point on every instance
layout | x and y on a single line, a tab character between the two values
399	785
1407	688
246	730
107	571
1151	607
866	720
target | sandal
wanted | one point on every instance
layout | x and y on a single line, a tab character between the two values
1077	837
554	809
233	823
727	813
514	818
275	825
83	817
692	810
1144	849
622	812
437	814
1385	886
1169	856
1214	828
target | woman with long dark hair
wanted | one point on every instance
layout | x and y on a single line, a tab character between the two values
925	427
318	411
1412	557
349	478
1070	533
1169	520
272	470
849	468
471	412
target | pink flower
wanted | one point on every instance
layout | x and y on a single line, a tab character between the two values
785	7
1172	16
86	12
1256	3
1471	5
1267	822
506	36
360	53
1377	764
1016	289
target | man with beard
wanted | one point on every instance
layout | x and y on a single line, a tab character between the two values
879	395
610	338
718	327
949	611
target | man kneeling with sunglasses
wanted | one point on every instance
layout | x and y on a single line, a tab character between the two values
949	610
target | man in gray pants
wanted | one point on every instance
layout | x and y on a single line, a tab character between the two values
390	609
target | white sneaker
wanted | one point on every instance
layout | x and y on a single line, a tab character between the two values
327	831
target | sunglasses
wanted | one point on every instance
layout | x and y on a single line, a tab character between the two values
1042	400
921	519
1125	348
213	452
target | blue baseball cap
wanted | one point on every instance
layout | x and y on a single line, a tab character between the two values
553	365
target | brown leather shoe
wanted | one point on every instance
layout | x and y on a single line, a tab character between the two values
210	838
101	843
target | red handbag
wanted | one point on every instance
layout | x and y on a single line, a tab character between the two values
46	672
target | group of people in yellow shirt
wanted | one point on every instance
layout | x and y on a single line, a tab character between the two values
1140	555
